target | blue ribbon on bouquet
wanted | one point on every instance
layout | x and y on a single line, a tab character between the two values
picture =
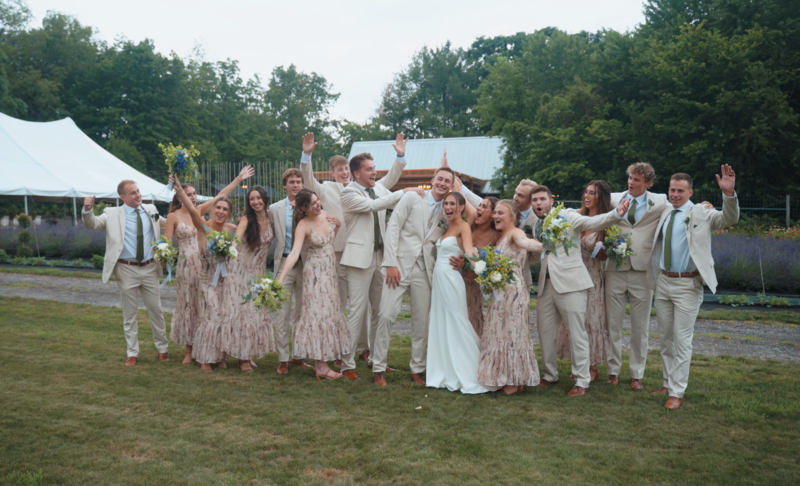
169	186
220	272
544	253
597	247
169	276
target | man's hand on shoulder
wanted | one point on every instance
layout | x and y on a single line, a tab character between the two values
416	190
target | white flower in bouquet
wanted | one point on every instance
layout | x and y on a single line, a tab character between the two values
495	277
162	246
622	247
233	252
480	266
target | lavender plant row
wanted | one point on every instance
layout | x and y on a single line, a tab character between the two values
736	259
64	242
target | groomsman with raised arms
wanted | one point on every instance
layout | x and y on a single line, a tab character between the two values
364	205
681	263
330	194
528	220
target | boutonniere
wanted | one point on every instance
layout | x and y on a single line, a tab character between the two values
442	224
153	214
686	221
527	229
650	203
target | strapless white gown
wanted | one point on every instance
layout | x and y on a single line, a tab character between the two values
453	345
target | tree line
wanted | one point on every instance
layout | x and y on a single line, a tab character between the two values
698	84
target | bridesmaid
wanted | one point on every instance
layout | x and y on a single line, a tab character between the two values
596	201
247	333
211	306
321	333
507	356
483	234
179	225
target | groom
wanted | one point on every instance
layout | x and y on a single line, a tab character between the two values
130	231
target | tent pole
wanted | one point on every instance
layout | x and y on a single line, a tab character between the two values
75	211
117	202
26	203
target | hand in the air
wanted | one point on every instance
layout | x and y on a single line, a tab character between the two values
623	207
246	172
727	181
171	179
444	159
392	277
308	143
400	145
88	203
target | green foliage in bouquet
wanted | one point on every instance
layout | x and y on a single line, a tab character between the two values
267	292
165	251
494	270
555	230
180	160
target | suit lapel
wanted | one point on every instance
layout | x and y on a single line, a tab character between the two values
121	217
281	217
432	219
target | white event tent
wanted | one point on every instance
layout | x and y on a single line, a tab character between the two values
56	160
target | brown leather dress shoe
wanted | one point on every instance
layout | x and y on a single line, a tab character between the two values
380	378
673	403
283	368
300	363
613	380
131	361
417	378
364	355
576	392
163	356
338	363
543	383
350	375
660	391
636	384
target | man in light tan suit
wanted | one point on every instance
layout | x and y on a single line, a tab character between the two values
415	226
563	285
528	220
281	216
130	232
364	205
681	263
330	194
629	280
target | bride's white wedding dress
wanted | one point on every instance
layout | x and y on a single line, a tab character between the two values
453	345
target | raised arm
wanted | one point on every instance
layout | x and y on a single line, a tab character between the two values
197	220
297	246
353	202
598	223
522	241
466	239
245	173
730	203
309	181
89	219
390	179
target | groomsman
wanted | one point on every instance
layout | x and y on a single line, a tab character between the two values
281	217
563	287
681	264
364	205
130	231
528	220
330	194
411	237
629	280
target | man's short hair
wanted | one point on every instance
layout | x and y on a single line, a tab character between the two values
336	161
292	172
528	183
121	186
682	176
643	169
355	162
541	188
445	169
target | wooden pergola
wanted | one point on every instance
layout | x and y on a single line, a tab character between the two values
416	178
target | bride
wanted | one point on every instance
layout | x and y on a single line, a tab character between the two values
453	345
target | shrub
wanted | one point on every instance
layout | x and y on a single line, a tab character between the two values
782	233
98	261
734	300
736	262
25	237
24	220
4	257
24	251
60	241
779	302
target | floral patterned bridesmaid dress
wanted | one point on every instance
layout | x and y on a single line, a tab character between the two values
187	286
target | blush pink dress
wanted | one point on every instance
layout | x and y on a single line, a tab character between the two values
187	287
211	312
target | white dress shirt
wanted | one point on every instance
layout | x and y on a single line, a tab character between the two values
524	216
287	245
681	260
433	204
129	242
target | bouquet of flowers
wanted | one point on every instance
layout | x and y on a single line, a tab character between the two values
165	252
266	292
555	230
617	245
494	271
220	244
180	161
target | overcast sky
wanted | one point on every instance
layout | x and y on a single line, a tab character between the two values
356	45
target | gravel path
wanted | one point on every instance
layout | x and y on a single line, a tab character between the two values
746	339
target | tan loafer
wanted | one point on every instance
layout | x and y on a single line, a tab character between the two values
131	361
636	385
577	392
380	378
661	391
613	380
673	403
163	356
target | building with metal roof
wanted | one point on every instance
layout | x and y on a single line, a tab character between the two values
475	159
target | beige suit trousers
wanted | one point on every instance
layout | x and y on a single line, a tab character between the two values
365	286
341	274
141	281
419	287
622	285
288	314
551	308
677	304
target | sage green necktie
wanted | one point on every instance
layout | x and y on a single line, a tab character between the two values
668	242
632	212
376	226
139	237
538	231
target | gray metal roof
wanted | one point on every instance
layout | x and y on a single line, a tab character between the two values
476	156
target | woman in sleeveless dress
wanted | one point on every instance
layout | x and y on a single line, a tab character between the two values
507	357
596	201
483	234
321	333
179	225
453	344
212	307
247	333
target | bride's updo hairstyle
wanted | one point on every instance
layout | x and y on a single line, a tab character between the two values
461	203
301	203
512	206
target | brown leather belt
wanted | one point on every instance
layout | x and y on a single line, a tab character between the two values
680	275
136	264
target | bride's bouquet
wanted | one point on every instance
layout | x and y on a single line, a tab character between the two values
494	270
555	231
165	252
220	244
180	161
266	292
617	245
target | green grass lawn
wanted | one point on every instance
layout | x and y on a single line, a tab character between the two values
72	412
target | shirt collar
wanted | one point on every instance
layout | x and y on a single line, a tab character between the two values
685	207
129	210
639	199
289	206
526	213
353	182
431	200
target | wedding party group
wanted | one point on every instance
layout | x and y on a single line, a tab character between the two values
448	249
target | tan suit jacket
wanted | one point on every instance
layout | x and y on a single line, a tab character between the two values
702	223
570	274
358	207
412	231
113	221
642	232
277	218
531	221
330	193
